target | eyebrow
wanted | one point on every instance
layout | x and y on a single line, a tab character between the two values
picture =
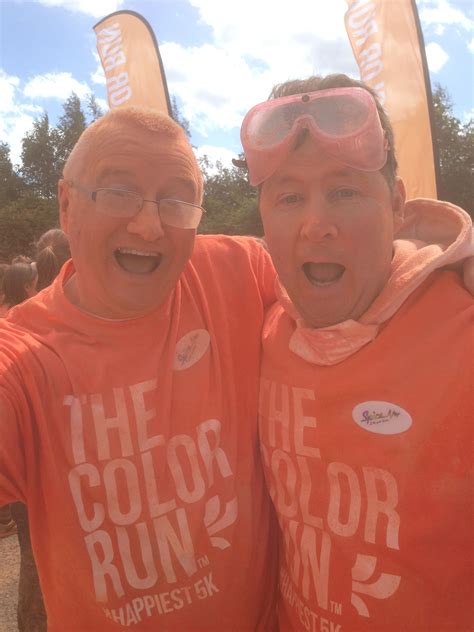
174	180
341	173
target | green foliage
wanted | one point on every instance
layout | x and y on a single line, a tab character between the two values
40	170
46	148
93	108
231	203
71	125
455	143
22	221
179	118
11	185
28	199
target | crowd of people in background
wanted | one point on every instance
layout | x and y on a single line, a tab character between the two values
23	277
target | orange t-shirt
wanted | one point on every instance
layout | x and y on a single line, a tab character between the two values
134	445
369	466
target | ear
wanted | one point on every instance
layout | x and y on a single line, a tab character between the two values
64	202
398	204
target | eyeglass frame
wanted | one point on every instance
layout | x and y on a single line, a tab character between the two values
93	196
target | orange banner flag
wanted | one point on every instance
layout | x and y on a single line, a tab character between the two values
388	46
131	61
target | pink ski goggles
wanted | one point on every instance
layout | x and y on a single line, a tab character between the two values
343	121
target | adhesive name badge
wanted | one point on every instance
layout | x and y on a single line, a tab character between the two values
191	348
381	417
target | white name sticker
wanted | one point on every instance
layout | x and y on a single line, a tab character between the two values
381	417
191	348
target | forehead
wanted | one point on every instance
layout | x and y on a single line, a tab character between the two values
139	153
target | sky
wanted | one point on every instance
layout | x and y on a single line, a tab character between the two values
220	57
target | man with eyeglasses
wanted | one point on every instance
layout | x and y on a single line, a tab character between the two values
128	400
366	382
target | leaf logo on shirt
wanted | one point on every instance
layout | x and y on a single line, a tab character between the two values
381	588
215	521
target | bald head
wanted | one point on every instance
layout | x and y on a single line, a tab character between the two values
108	129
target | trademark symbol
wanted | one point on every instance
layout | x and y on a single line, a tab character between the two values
203	561
336	607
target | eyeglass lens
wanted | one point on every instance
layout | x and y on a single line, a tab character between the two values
175	213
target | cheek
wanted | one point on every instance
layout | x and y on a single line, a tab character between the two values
182	242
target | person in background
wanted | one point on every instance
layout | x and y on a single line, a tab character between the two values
52	252
366	384
19	284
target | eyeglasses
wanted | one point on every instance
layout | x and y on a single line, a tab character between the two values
126	204
343	121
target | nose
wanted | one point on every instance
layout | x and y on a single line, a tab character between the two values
147	223
318	223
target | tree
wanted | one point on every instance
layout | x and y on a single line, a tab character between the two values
93	108
39	158
455	143
22	221
71	125
11	185
179	118
231	203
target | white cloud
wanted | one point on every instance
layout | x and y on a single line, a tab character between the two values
55	85
15	116
102	103
13	128
468	116
436	57
98	76
218	81
216	154
441	12
90	7
8	87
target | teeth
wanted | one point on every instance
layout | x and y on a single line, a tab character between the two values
131	251
322	283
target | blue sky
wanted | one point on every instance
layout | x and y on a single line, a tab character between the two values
220	57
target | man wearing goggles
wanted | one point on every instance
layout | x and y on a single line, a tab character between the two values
366	399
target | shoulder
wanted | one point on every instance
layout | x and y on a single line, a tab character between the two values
442	296
240	267
225	245
231	255
438	317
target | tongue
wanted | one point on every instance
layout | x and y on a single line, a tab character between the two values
324	272
137	264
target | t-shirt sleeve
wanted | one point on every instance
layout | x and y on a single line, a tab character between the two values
265	273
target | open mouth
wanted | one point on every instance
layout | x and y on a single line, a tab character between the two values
323	274
137	262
